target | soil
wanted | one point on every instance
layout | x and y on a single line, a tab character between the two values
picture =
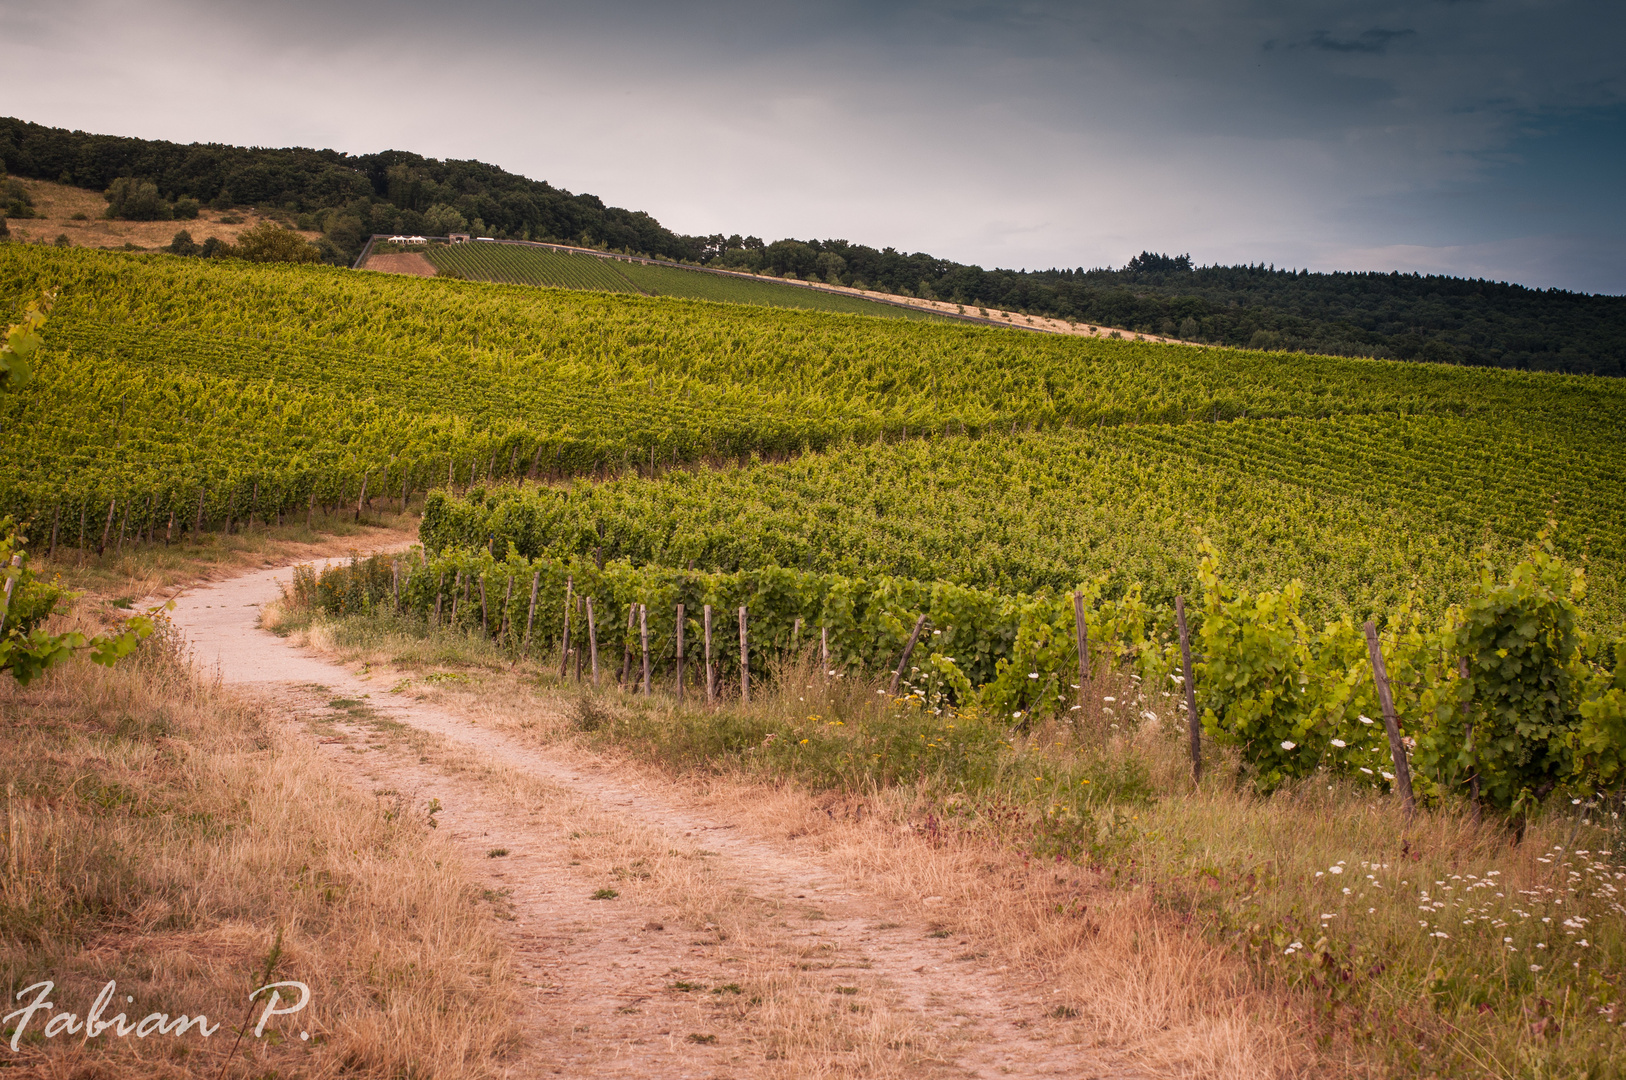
410	262
58	203
633	986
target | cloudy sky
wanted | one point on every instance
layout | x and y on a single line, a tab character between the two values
1474	137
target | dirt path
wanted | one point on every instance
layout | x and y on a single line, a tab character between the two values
805	976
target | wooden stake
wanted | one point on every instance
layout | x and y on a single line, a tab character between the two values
440	585
711	677
1473	748
824	649
909	647
395	584
592	639
626	641
108	528
680	653
643	638
310	511
745	663
1083	629
485	613
530	616
169	533
5	601
564	645
457	583
578	649
1191	691
507	598
198	527
405	479
56	519
363	499
1397	749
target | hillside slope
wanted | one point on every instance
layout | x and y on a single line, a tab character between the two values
348	197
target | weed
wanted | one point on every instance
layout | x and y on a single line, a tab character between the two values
605	894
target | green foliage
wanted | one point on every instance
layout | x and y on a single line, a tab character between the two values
22	341
137	200
525	265
270	242
27	651
1254	685
1519	639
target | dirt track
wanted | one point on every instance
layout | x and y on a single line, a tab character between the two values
639	986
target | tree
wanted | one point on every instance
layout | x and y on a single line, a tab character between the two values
270	242
183	244
136	200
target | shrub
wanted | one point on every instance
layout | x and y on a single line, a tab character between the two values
137	200
270	242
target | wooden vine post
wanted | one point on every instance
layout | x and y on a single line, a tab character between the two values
745	663
680	653
711	678
395	582
1391	724
440	585
1191	691
1473	748
485	612
530	616
507	598
643	641
908	648
107	528
1083	630
564	644
626	640
11	580
592	639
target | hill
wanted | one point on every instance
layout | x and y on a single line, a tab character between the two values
194	391
348	197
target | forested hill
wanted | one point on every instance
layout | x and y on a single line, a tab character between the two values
347	197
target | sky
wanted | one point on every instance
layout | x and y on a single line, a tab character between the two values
1482	138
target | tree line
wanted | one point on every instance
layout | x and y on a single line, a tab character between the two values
349	197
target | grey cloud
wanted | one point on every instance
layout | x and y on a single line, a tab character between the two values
1038	133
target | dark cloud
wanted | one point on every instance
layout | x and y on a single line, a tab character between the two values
1373	134
1375	40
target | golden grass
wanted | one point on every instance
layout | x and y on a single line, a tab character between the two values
1169	931
58	203
165	834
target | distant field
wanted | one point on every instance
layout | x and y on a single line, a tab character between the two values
517	265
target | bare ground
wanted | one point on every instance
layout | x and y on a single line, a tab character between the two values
724	951
410	262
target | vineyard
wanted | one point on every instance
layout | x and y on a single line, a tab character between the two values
518	264
176	395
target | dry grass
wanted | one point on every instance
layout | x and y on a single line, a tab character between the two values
165	834
135	571
1205	931
57	205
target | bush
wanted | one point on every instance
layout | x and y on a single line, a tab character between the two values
270	242
137	200
216	248
183	244
186	208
